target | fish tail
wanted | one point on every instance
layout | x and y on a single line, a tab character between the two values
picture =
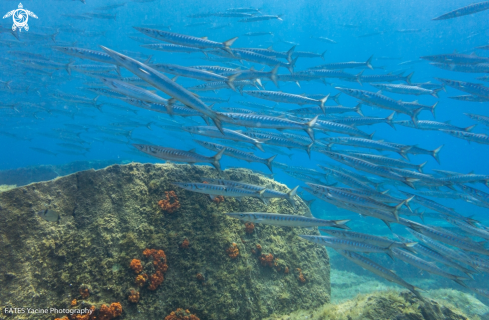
358	109
369	62
336	98
269	163
217	158
420	167
435	154
289	54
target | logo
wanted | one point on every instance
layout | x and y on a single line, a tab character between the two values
20	17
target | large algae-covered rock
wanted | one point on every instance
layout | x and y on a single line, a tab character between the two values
108	217
384	305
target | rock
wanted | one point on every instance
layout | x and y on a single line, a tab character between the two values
109	216
382	305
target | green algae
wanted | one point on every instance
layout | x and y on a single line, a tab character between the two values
384	305
108	217
6	187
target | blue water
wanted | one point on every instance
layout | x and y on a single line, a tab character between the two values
302	20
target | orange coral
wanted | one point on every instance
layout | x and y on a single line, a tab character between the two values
171	203
258	247
84	292
73	302
266	260
107	313
155	280
185	244
233	251
249	227
200	277
181	314
141	279
286	271
136	265
218	199
86	316
133	296
64	318
301	276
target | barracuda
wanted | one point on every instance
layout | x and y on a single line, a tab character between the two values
430	204
379	270
346	65
86	54
238	154
472	88
193	73
432	254
366	121
327	110
267	122
286	98
133	91
378	100
224	134
332	74
254	57
359	200
177	110
185	40
449	239
341	128
171	154
170	48
406	89
469	136
345	178
368	167
365	143
456	58
370	239
347	244
268	194
217	85
432	125
416	150
220	190
470	9
425	265
482	119
286	220
385	161
478	194
164	84
278	141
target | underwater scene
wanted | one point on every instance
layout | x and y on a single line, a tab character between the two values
244	160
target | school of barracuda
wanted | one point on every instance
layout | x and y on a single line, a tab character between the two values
121	82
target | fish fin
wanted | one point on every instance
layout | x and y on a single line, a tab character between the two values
369	61
358	109
229	43
269	162
420	167
435	152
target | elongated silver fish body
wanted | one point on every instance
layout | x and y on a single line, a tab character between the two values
236	153
378	270
219	190
286	220
171	154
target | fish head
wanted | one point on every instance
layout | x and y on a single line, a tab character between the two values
184	185
242	216
118	57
